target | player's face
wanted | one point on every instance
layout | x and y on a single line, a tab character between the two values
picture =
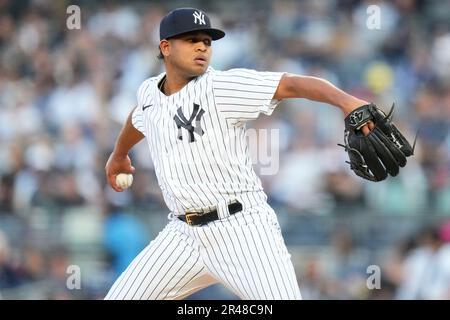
190	53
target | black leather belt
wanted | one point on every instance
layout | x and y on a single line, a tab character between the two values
200	218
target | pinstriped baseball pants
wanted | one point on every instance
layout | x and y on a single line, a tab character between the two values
245	252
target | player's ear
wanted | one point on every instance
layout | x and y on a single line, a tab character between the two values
164	46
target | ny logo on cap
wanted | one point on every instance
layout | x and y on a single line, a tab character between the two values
200	17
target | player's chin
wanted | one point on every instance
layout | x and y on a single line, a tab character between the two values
198	70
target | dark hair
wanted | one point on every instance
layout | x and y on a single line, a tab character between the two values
160	55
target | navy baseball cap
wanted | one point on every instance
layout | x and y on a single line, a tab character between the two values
185	20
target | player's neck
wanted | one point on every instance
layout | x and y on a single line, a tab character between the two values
171	85
173	82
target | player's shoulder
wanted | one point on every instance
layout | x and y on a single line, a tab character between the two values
152	81
235	72
244	76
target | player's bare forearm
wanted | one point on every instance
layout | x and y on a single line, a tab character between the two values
118	161
317	89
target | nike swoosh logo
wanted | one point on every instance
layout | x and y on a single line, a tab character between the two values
145	107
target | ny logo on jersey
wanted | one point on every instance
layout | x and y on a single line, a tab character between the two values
200	17
181	121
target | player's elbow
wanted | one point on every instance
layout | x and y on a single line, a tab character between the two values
289	87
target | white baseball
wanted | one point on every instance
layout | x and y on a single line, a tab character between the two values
124	180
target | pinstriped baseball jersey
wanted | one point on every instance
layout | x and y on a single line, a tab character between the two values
197	137
197	142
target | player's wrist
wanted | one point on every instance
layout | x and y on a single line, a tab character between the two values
119	154
351	104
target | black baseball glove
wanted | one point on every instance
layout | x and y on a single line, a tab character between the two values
383	151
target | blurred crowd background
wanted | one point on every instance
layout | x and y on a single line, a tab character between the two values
64	95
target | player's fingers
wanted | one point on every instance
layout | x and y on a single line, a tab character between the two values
112	182
369	126
130	169
365	130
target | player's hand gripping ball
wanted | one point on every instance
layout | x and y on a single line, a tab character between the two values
124	180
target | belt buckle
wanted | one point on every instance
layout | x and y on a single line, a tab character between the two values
189	216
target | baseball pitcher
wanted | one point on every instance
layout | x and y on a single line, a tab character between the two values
193	117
